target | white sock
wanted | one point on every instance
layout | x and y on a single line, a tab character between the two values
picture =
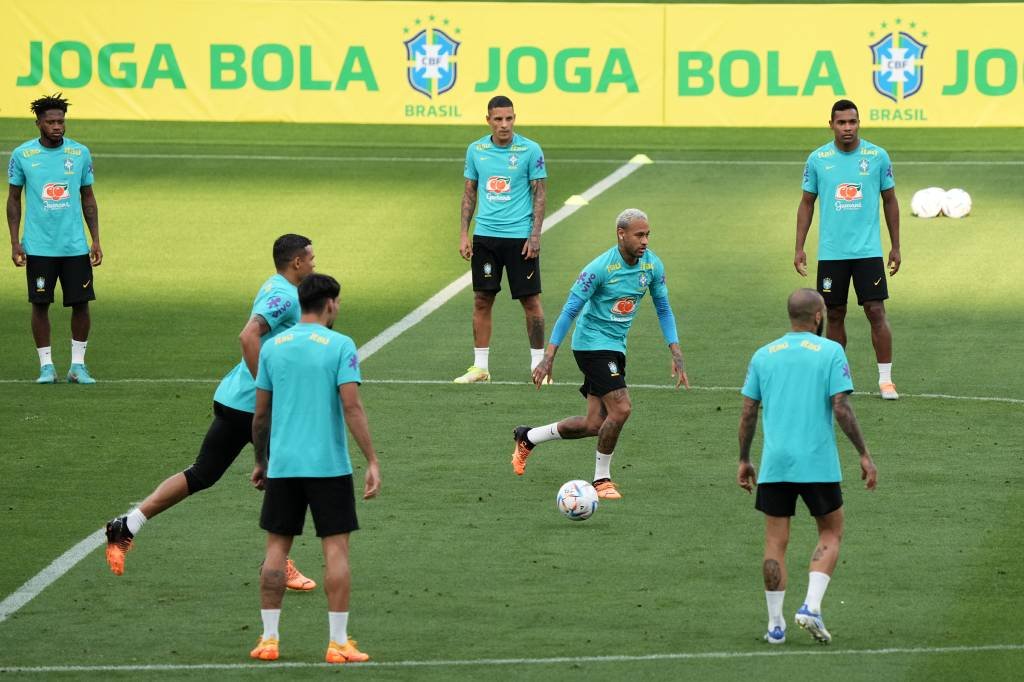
271	618
338	621
480	356
539	434
536	355
78	352
135	520
775	617
885	372
45	356
817	583
602	466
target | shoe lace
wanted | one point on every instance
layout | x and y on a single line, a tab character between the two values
290	570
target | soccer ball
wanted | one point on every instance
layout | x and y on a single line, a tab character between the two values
927	203
577	500
957	203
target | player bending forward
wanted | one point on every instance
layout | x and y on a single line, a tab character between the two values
605	297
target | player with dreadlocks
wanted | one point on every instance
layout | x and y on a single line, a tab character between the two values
57	176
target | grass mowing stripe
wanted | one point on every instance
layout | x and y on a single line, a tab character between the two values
453	159
695	656
656	387
449	292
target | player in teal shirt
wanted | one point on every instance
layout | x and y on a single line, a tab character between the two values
850	175
274	310
802	379
307	377
55	174
604	301
505	184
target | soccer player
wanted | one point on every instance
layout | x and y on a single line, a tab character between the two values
605	296
850	174
307	377
802	379
57	173
509	217
275	309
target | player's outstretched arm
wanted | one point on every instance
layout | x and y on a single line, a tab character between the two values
261	436
14	224
891	209
746	476
468	207
359	427
847	420
804	216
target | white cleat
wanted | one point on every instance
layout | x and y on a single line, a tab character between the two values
888	391
473	375
813	623
776	635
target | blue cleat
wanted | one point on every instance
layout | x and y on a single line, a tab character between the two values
813	623
775	636
78	374
47	375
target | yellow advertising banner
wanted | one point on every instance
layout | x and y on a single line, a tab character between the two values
562	64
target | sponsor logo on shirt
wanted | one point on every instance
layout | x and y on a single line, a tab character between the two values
56	196
498	188
849	196
277	306
625	306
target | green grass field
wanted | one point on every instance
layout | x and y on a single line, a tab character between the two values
459	563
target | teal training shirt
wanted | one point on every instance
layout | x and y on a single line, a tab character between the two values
504	206
795	378
848	185
303	368
613	290
53	180
277	302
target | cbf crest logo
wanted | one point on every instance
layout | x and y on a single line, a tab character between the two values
864	166
69	166
432	66
826	284
897	57
643	280
613	368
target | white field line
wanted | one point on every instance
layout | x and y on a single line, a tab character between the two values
67	561
449	292
655	387
558	660
454	159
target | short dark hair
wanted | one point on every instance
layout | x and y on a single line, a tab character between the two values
843	105
43	104
287	247
498	102
315	290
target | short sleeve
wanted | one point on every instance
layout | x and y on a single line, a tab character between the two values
810	182
87	174
887	180
274	308
263	379
589	280
15	174
470	172
659	287
538	169
348	368
752	384
840	379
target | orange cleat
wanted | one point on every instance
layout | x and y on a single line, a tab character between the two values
119	543
888	391
266	649
522	449
345	653
297	581
606	490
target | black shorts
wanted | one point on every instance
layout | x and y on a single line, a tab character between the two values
603	371
491	255
332	502
230	431
779	499
868	279
74	273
